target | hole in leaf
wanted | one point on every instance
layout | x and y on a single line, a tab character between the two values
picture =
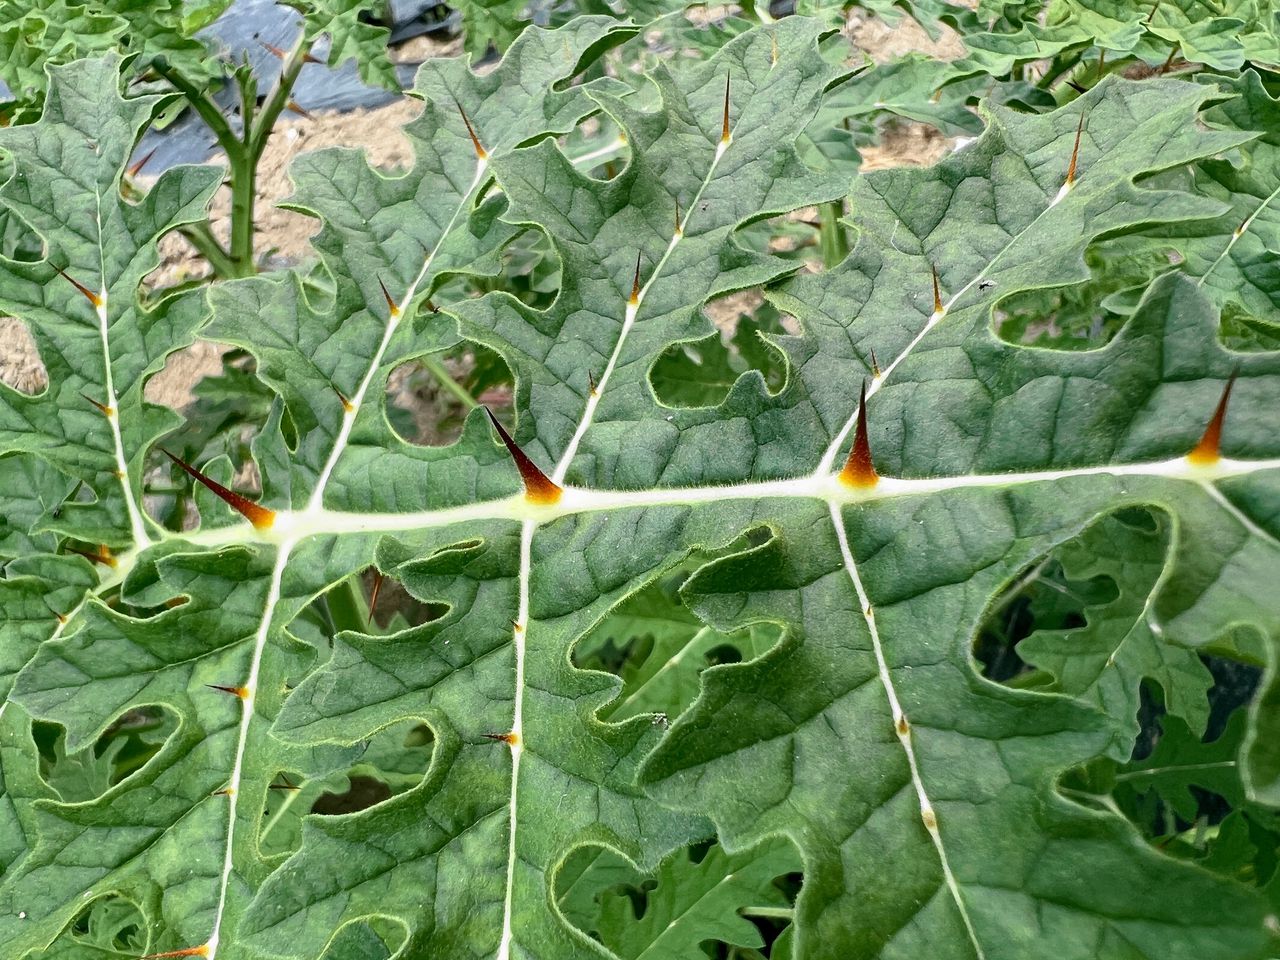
1062	621
791	236
125	746
659	649
20	363
749	898
395	759
106	927
1082	316
700	373
1245	333
428	399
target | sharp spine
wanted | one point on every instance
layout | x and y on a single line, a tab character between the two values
260	516
859	471
1208	451
538	487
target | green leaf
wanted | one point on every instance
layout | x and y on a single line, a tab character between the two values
697	901
1105	661
927	806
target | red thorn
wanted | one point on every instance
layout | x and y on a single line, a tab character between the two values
255	513
510	739
538	487
391	304
635	283
875	365
241	692
1075	151
937	293
103	556
200	951
858	470
724	127
373	594
1206	452
481	153
89	295
106	411
137	167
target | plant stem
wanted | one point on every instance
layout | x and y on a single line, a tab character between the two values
200	236
437	370
833	241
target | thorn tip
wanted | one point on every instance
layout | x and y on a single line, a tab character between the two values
1208	451
481	154
1075	152
255	513
937	292
538	487
89	295
859	471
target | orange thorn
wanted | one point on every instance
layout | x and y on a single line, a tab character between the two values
635	283
106	411
200	951
61	617
89	295
481	153
391	304
299	109
679	227
137	167
937	294
538	487
373	594
346	404
519	627
1206	452
174	602
241	692
431	306
510	739
591	380
724	127
255	513
1075	151
858	470
224	792
875	365
103	556
307	57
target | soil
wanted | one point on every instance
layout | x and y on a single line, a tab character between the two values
285	234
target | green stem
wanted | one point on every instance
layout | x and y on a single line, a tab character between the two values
347	610
833	241
1059	67
200	236
437	370
204	105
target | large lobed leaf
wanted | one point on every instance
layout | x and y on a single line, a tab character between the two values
923	802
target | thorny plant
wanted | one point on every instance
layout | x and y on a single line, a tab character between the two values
534	759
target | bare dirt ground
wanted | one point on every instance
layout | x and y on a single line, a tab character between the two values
285	234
